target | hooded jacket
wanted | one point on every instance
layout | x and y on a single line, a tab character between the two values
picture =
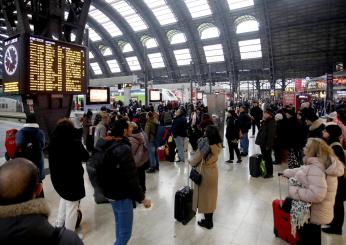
320	187
66	154
27	223
139	148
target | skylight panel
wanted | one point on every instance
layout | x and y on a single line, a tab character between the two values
133	63
93	35
214	53
250	49
91	55
182	56
210	32
96	68
162	12
238	4
178	38
156	60
129	14
198	8
101	18
113	66
127	48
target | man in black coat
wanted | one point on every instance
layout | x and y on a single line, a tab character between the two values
118	179
256	116
24	216
179	132
265	139
244	122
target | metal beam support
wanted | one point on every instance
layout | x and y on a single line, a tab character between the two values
222	18
100	59
191	32
267	31
22	17
126	29
158	32
107	39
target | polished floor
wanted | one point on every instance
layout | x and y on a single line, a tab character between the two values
243	214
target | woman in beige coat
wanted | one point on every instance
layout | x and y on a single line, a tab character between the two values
319	179
205	159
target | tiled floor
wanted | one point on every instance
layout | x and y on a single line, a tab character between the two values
243	214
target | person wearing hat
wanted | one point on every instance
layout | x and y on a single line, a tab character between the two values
332	134
265	139
314	123
256	116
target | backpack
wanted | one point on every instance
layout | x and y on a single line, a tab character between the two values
10	143
29	148
161	135
167	118
142	155
95	161
337	143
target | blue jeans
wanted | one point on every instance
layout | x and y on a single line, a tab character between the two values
244	144
123	214
154	160
179	141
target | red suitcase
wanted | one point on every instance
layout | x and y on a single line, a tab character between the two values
161	153
282	221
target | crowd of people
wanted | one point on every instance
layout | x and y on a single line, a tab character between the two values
120	145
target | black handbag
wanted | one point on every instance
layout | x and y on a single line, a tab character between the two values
195	176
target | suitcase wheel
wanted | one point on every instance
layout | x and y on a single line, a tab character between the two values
276	232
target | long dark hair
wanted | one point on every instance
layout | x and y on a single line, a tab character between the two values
213	135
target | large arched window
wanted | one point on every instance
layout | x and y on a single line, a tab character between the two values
176	37
208	30
246	23
149	42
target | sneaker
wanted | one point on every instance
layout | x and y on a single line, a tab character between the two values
267	176
150	170
331	230
229	161
239	161
243	154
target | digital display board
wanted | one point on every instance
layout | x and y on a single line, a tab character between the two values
44	66
155	95
98	95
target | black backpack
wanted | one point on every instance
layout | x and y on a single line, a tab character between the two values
30	148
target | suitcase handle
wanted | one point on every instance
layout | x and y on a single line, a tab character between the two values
280	175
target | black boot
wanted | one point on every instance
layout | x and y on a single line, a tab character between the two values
207	222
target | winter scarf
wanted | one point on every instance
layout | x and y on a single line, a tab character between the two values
203	146
300	210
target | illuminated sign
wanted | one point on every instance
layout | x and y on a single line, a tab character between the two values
41	65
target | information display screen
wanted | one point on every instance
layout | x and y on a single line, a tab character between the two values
41	65
98	95
55	67
155	95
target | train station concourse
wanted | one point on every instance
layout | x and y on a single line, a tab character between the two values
172	122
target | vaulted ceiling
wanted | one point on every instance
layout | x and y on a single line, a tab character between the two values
176	40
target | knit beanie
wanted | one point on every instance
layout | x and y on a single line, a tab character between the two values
310	114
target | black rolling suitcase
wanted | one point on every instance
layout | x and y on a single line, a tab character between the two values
183	204
254	165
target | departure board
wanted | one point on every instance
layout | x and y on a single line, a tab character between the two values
34	64
55	67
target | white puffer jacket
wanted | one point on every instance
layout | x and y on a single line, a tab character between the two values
320	186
